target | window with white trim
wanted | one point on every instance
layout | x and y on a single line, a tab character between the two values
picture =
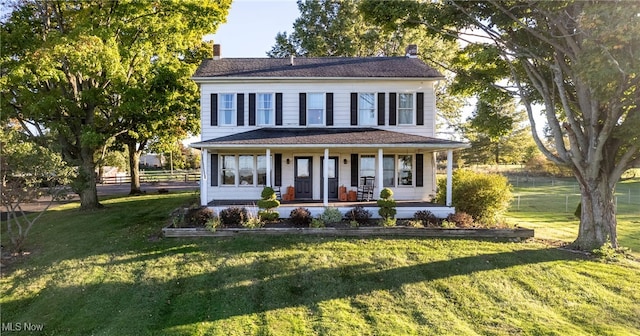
405	170
228	170
261	161
388	170
315	108
227	109
265	112
246	169
367	109
405	109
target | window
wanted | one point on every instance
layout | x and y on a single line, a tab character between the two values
315	108
367	165
228	169
367	109
264	109
389	170
227	109
405	170
405	109
262	169
246	169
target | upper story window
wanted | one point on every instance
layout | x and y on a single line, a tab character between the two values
265	109
405	109
315	108
227	109
367	109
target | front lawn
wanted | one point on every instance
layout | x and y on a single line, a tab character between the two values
106	273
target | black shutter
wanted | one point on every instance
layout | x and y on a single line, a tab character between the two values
277	170
420	108
240	109
380	108
393	113
214	109
252	109
354	170
278	109
354	109
329	107
214	170
302	111
419	170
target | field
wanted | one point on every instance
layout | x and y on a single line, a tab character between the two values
107	273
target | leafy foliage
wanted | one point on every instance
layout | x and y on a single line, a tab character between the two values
484	196
198	216
426	217
387	204
300	217
330	215
461	219
233	216
358	214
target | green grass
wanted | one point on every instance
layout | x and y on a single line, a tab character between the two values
97	273
548	208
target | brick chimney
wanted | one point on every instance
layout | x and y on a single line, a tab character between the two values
216	52
412	51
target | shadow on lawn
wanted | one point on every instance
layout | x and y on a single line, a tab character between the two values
257	287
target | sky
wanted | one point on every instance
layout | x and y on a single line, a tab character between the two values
252	25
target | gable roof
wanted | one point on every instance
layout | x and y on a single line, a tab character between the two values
322	137
316	67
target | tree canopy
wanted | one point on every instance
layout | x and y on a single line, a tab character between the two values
577	59
72	69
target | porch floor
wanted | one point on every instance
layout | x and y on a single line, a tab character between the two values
332	203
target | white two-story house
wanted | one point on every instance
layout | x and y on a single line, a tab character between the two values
313	125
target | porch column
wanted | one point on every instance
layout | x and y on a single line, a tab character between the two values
204	185
449	176
379	177
325	178
268	167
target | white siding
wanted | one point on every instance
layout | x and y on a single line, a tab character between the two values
341	97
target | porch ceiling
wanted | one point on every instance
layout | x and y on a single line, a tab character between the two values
327	137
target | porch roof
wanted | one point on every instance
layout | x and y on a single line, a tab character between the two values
327	137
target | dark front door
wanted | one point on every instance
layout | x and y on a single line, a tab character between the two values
303	179
333	177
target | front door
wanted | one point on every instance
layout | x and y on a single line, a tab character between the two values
333	177
303	179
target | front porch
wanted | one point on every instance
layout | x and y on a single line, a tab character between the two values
405	209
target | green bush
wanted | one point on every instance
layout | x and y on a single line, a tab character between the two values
483	196
461	219
267	205
426	217
330	215
387	204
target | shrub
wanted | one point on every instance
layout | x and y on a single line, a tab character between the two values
461	219
253	222
317	223
233	216
447	224
330	215
267	205
198	216
300	217
358	214
426	217
414	223
213	224
388	222
387	204
484	196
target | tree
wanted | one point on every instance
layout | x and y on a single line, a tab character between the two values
28	173
577	59
68	67
338	28
498	134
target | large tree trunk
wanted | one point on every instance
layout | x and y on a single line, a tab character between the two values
598	217
134	168
86	184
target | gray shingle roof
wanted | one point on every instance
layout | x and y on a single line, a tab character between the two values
333	137
317	67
